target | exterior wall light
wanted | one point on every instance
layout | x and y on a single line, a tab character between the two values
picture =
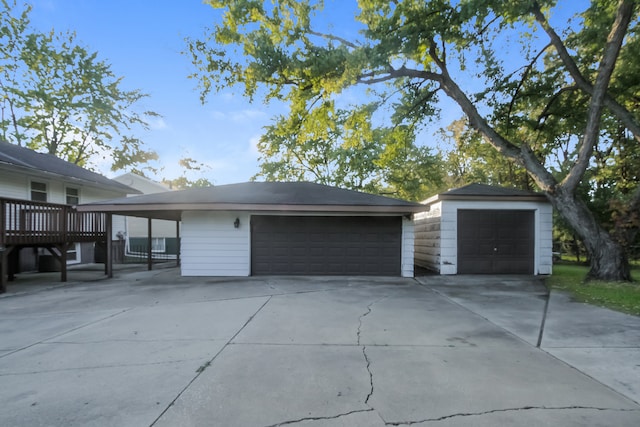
236	223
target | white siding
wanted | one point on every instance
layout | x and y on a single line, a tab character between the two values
427	237
449	239
118	225
138	227
13	185
211	246
543	236
17	185
407	248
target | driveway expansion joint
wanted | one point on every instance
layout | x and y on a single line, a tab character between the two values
494	411
84	325
208	363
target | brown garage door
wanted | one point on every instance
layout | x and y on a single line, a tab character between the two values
496	242
325	245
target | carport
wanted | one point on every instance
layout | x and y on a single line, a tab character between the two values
275	228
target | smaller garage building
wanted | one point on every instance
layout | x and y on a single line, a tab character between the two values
282	228
482	229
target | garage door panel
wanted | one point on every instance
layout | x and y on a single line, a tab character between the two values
496	242
326	245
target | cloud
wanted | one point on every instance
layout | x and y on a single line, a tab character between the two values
158	123
253	146
239	116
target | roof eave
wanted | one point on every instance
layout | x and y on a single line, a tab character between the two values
53	175
492	198
157	207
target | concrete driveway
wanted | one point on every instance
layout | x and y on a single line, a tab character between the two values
156	349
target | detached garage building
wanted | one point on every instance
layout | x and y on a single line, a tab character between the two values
276	228
481	229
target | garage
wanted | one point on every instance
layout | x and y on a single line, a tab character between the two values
495	242
326	245
484	229
282	228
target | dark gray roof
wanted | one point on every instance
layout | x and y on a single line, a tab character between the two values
489	192
255	196
41	163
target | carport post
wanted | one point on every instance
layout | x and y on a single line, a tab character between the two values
108	261
177	243
149	259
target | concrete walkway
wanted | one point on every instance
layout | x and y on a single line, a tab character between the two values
601	343
157	349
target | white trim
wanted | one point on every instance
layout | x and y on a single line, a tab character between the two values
407	248
66	195
46	190
449	225
77	249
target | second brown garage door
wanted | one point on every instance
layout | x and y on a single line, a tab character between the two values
496	242
325	245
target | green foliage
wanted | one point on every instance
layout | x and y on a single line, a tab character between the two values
341	148
59	97
539	103
468	159
188	164
182	183
623	297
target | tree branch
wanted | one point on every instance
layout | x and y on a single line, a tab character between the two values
616	108
522	155
607	65
333	37
395	73
545	110
527	70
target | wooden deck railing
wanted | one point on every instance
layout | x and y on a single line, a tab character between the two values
28	223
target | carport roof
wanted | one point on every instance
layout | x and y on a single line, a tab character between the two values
254	196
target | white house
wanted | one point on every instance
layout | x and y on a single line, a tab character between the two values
481	229
31	176
276	228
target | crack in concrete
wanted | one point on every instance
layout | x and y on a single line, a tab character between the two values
333	417
362	316
279	293
493	411
364	349
366	358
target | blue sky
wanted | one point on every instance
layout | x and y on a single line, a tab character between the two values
143	41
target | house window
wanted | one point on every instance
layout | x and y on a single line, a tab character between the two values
158	244
38	191
73	196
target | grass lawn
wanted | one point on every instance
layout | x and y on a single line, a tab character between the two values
624	297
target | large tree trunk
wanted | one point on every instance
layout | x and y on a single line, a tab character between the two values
607	257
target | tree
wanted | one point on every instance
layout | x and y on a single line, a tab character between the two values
549	94
60	98
340	147
188	164
468	159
